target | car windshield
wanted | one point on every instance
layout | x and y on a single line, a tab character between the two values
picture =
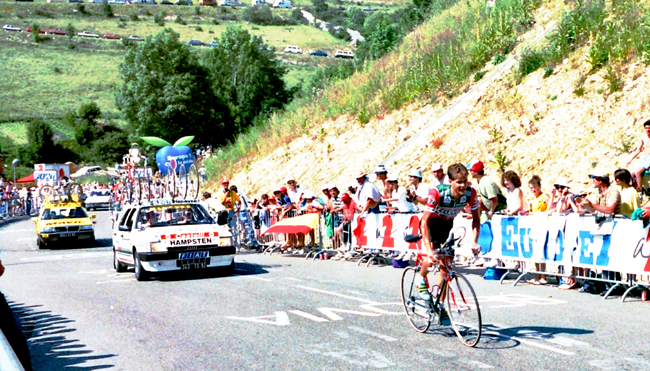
178	214
63	212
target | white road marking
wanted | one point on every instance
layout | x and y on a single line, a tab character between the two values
359	357
99	271
278	319
257	278
309	316
291	279
372	333
336	294
475	364
84	255
342	334
331	313
117	281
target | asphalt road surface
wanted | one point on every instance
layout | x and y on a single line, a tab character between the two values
286	313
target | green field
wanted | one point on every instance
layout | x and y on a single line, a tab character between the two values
57	75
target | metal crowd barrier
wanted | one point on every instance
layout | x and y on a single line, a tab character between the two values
8	359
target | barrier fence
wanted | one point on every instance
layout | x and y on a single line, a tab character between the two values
588	247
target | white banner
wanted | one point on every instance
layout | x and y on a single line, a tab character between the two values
620	245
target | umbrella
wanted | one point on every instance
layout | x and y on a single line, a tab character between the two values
27	179
299	224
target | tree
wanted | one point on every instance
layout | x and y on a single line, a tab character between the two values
87	129
110	147
320	7
261	15
247	73
71	31
356	17
35	32
40	142
168	93
381	35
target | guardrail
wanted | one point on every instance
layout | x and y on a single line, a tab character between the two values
8	359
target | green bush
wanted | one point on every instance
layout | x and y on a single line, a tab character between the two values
531	60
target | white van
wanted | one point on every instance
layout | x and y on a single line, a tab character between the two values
282	4
258	2
228	3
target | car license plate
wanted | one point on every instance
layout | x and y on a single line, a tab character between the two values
66	235
194	266
193	255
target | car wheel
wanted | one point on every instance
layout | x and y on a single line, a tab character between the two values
40	243
140	273
117	264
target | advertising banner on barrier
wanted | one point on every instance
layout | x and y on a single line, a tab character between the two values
572	240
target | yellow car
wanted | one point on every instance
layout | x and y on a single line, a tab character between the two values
64	222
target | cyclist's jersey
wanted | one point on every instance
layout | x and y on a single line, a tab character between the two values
442	204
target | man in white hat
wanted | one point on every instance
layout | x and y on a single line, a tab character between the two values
608	200
295	191
382	174
368	195
417	192
439	176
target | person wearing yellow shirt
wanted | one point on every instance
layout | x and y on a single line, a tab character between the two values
231	201
537	201
629	195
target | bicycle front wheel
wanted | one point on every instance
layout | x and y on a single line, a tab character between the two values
464	311
417	310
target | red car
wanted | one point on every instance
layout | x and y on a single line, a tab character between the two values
111	36
58	31
40	30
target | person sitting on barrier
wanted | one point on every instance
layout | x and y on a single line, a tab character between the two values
398	200
538	201
514	195
417	192
642	149
629	195
444	203
608	200
492	200
368	196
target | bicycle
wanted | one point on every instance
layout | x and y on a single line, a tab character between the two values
460	300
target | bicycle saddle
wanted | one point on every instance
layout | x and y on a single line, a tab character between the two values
412	238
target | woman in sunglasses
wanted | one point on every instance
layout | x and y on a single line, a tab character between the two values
562	197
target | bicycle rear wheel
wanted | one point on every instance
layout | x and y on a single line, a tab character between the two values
417	310
464	311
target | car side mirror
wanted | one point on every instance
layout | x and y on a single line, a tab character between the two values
123	228
93	216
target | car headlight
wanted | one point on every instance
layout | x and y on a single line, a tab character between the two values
47	230
158	246
225	241
86	228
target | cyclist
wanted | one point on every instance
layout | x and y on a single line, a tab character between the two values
443	204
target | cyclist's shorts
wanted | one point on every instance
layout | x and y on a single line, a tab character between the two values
439	230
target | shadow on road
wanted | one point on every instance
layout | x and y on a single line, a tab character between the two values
51	343
501	338
241	269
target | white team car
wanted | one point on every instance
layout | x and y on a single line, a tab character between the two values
98	199
163	236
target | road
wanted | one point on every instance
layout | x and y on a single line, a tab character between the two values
286	313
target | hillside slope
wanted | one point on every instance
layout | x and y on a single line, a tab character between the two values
539	125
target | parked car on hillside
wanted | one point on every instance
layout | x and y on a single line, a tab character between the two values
166	2
318	53
58	31
208	2
88	34
152	2
368	9
136	38
195	42
228	2
40	30
213	43
95	1
292	49
183	2
258	2
9	27
75	1
111	36
344	54
282	4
